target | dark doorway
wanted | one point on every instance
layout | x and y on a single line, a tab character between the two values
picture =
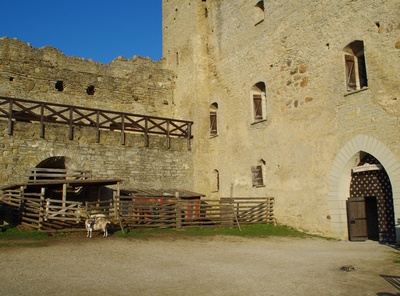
370	207
371	210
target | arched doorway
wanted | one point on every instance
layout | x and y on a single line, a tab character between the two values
340	178
54	162
370	209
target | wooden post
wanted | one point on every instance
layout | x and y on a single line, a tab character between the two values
64	196
42	121
97	126
178	211
146	135
10	119
189	136
168	136
21	202
123	138
41	209
118	189
116	209
71	126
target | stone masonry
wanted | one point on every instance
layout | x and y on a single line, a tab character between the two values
313	130
302	91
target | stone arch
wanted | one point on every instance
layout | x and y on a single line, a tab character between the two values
72	160
340	177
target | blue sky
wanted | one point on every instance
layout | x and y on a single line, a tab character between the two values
100	30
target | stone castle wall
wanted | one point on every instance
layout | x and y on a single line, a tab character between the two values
137	85
138	166
296	49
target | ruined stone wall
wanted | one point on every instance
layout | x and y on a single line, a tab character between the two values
296	49
136	85
131	85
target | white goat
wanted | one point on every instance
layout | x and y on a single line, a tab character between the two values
95	224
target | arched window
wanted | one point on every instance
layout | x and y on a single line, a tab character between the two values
215	181
356	72
213	119
259	101
259	14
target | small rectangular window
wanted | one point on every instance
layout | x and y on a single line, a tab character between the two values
257	176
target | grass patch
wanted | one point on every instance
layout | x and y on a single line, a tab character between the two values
13	233
397	257
255	230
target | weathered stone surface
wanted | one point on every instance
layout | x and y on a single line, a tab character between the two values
297	50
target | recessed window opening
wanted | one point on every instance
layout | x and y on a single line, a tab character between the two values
258	172
11	78
213	119
356	72
90	90
59	85
215	181
177	58
259	12
258	101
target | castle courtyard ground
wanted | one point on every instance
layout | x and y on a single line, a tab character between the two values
223	265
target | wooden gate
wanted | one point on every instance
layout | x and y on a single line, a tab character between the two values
357	219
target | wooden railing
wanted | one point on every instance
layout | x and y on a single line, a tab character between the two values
38	175
74	116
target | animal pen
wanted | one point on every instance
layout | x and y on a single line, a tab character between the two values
63	205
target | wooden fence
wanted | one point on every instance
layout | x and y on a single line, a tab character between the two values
50	174
33	210
182	213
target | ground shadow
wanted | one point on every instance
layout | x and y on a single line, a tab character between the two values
393	280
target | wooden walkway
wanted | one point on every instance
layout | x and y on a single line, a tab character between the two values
14	109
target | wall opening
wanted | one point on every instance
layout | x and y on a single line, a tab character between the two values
356	71
371	186
59	85
341	178
90	90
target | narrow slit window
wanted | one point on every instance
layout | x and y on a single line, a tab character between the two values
213	119
259	12
215	181
257	102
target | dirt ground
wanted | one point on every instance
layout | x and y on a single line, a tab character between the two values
198	266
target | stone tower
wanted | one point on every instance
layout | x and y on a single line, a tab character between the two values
288	99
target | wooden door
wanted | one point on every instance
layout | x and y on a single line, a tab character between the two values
357	219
